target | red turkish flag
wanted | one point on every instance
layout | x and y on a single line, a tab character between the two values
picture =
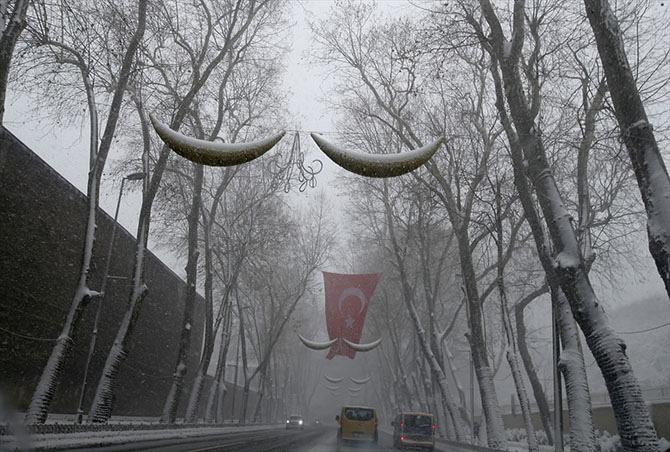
347	300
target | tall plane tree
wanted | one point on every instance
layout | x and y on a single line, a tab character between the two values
633	420
230	28
46	386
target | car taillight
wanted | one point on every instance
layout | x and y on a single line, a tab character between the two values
402	438
402	424
434	426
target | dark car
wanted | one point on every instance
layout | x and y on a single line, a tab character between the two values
414	430
295	421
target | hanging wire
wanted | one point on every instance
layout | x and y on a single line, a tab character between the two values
645	331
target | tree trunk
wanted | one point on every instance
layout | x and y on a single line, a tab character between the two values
46	386
208	348
567	265
571	364
101	408
424	343
633	421
463	404
512	357
260	394
533	218
495	431
245	402
535	384
181	366
218	389
638	136
11	30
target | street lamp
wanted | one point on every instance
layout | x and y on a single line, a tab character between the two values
91	348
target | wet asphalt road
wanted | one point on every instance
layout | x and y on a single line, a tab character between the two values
328	443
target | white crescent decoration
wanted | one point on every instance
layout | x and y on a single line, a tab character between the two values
377	165
352	292
363	347
332	388
333	379
314	345
210	153
354	389
362	381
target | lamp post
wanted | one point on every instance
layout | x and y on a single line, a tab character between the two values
94	334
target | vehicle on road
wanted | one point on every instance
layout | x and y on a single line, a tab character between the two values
295	421
357	423
412	429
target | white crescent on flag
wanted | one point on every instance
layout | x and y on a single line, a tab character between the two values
352	292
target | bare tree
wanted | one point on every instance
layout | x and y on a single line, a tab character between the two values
231	29
636	131
631	412
512	352
12	22
39	406
277	289
391	83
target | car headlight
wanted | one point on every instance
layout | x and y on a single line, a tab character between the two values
287	421
300	422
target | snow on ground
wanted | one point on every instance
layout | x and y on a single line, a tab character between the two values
105	438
